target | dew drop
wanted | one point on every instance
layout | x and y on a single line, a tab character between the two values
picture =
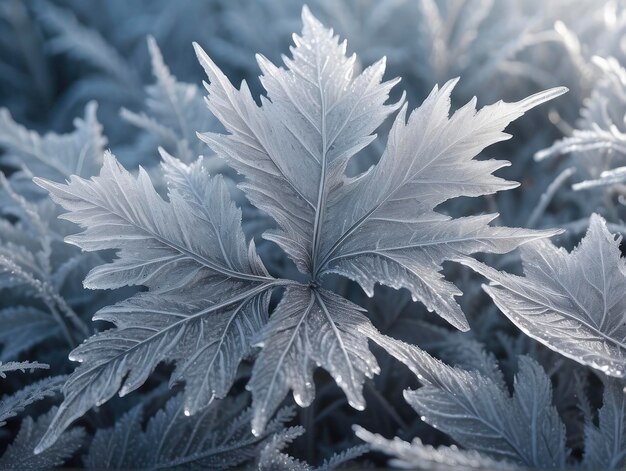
356	405
299	400
187	412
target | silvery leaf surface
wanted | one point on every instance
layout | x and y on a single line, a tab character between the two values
574	303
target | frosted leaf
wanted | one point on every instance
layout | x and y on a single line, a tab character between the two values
605	443
273	458
20	455
32	265
417	455
12	405
54	156
599	142
310	328
217	438
22	366
478	412
206	297
21	327
174	110
85	44
380	227
574	303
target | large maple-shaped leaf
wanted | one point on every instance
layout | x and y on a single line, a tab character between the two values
381	226
572	302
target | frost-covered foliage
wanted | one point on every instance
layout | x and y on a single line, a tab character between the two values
317	235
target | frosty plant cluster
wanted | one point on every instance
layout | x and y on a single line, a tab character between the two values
206	307
206	299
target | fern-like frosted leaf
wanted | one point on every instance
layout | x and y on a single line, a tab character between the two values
389	232
54	156
417	455
12	405
20	454
346	456
217	438
606	178
273	458
173	110
572	302
479	414
207	294
477	411
120	446
584	140
295	148
85	44
22	366
605	443
601	126
31	263
310	328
